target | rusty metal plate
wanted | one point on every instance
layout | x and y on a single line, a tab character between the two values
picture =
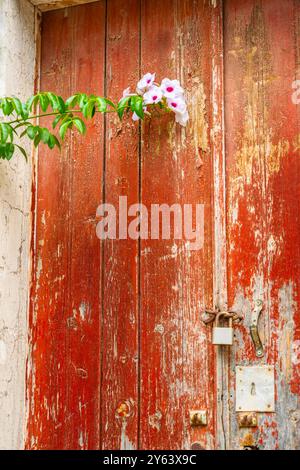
255	388
198	418
248	419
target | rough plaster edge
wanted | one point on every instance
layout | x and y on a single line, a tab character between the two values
57	4
34	156
17	196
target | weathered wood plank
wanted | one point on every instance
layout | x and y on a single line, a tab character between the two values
262	129
47	336
84	272
176	368
119	394
64	364
222	411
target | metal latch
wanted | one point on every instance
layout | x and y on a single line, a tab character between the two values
254	328
209	315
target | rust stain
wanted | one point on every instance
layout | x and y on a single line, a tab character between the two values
248	440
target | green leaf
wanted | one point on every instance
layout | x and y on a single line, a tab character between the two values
53	141
137	106
82	100
5	132
23	133
79	124
54	101
22	150
63	128
7	151
111	103
102	104
44	134
123	104
7	106
56	120
67	117
32	102
25	112
37	140
88	110
31	132
44	102
17	106
61	107
72	101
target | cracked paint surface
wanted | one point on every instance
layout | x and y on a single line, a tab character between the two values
262	56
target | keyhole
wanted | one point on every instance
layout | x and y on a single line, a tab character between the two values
253	391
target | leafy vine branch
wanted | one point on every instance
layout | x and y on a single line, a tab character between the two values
70	114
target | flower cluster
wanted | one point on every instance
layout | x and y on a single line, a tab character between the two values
168	95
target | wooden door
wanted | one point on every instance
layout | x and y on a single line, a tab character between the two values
119	354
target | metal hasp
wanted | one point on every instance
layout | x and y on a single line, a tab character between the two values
255	390
254	328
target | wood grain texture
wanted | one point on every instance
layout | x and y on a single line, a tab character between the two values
222	409
119	396
64	361
84	273
262	142
176	283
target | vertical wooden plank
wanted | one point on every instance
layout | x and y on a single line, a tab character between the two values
63	386
46	386
119	395
84	270
192	151
222	411
262	130
176	361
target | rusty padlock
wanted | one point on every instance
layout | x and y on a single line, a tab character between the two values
220	334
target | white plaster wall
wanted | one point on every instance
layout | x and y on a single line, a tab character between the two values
17	66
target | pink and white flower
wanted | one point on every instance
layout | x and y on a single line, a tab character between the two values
169	94
177	104
171	88
182	118
153	95
145	83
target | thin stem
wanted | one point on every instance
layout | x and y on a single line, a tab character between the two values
69	111
17	121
